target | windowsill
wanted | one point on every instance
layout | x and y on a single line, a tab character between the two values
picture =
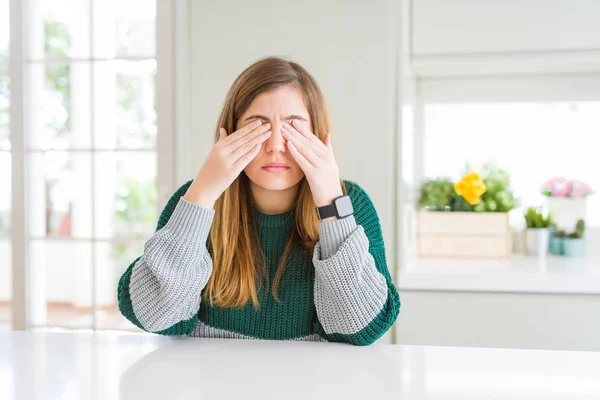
518	274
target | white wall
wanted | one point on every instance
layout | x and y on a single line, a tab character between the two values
493	37
443	27
350	47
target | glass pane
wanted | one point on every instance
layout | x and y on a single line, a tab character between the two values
124	28
61	291
125	114
125	203
4	111
532	141
5	244
4	32
58	29
112	259
58	106
5	193
60	195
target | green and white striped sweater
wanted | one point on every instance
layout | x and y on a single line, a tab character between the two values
342	292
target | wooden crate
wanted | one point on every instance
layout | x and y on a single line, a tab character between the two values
464	234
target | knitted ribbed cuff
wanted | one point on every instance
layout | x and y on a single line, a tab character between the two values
349	290
190	220
334	233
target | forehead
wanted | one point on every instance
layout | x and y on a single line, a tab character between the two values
281	101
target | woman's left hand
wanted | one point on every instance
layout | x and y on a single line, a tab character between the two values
316	159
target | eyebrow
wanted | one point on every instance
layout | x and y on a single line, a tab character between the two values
289	117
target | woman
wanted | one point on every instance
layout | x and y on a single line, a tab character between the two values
266	242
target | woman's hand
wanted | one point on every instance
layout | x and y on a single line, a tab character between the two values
227	159
317	161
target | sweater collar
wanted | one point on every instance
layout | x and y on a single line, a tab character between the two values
274	220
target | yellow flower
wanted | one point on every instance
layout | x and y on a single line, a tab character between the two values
470	187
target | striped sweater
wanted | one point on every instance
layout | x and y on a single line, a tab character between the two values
341	293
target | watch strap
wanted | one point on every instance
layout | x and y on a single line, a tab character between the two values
326	211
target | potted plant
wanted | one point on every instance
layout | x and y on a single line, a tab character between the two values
537	235
498	196
476	224
574	244
556	241
566	200
436	195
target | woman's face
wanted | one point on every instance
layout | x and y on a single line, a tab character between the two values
276	107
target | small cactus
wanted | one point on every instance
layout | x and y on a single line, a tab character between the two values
580	228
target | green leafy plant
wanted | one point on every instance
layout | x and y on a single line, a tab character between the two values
440	194
437	195
535	218
498	196
579	230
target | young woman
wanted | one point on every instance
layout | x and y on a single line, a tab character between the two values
266	242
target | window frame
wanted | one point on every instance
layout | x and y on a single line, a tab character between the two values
165	146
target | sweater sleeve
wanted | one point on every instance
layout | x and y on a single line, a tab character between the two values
160	292
355	298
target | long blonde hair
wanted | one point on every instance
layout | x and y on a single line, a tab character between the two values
239	267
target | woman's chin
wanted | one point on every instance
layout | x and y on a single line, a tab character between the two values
274	183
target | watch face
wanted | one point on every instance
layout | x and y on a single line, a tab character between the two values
344	206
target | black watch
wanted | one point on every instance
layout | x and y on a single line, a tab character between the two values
341	208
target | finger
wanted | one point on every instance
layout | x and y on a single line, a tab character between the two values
222	134
302	128
243	140
242	132
247	146
246	159
300	159
302	145
318	147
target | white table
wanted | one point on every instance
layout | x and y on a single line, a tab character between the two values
113	366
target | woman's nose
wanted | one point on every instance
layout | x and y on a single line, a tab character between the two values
275	143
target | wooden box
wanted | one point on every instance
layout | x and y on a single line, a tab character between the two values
464	234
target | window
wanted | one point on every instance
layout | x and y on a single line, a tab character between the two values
90	70
533	141
5	172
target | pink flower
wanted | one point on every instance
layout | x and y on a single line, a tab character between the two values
558	186
580	189
551	183
562	187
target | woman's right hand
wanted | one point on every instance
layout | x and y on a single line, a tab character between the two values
227	159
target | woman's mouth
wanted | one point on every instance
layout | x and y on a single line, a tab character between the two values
275	168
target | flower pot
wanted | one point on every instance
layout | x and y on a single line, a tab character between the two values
556	245
464	234
566	211
537	241
574	247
